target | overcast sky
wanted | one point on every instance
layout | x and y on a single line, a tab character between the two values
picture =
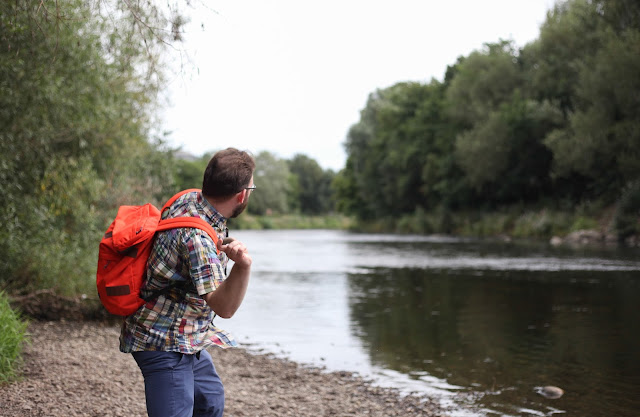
291	76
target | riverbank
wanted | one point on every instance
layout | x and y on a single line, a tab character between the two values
331	221
582	226
74	368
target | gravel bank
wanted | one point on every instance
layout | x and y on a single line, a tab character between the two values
74	368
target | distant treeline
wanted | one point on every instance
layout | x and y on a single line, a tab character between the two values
553	124
285	186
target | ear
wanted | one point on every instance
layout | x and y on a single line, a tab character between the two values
240	197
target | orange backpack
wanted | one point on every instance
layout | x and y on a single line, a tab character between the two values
125	248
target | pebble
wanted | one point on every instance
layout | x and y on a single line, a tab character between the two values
550	392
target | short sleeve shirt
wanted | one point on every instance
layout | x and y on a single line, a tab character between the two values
183	266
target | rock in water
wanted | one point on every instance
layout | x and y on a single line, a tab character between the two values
550	392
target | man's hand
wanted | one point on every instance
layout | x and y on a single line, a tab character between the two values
236	251
226	299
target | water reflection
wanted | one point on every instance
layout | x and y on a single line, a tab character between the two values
485	323
504	333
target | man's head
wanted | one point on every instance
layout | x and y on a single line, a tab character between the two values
229	173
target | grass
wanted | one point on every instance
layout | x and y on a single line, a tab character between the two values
514	221
291	221
12	339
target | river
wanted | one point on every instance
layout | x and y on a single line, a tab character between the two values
479	325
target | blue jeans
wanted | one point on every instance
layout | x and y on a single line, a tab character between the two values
179	385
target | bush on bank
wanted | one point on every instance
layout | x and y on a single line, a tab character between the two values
516	222
79	85
12	339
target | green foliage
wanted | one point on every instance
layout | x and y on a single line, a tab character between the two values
63	229
514	221
555	123
345	191
504	129
291	221
312	185
483	81
78	86
627	216
602	139
570	33
583	223
272	177
188	172
298	185
491	140
12	338
541	224
399	154
415	223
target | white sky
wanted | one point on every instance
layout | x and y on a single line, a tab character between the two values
291	76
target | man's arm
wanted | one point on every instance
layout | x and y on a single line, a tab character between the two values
226	299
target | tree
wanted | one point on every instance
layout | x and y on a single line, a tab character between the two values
189	172
570	33
557	119
77	94
345	191
313	185
400	154
482	82
272	179
600	139
501	149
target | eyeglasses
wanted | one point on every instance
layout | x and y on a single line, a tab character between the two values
253	187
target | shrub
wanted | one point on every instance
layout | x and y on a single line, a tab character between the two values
627	217
12	338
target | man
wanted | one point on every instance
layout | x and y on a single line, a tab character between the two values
186	289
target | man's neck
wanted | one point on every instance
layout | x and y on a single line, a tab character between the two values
224	207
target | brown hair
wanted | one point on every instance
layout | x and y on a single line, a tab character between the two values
227	173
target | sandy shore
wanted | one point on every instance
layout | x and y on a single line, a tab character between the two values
74	368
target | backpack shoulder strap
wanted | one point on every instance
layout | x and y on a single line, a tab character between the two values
177	196
195	222
177	222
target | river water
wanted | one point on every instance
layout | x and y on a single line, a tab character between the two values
481	326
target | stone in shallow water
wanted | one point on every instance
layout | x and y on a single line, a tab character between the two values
550	392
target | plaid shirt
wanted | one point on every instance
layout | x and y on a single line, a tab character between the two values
183	266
